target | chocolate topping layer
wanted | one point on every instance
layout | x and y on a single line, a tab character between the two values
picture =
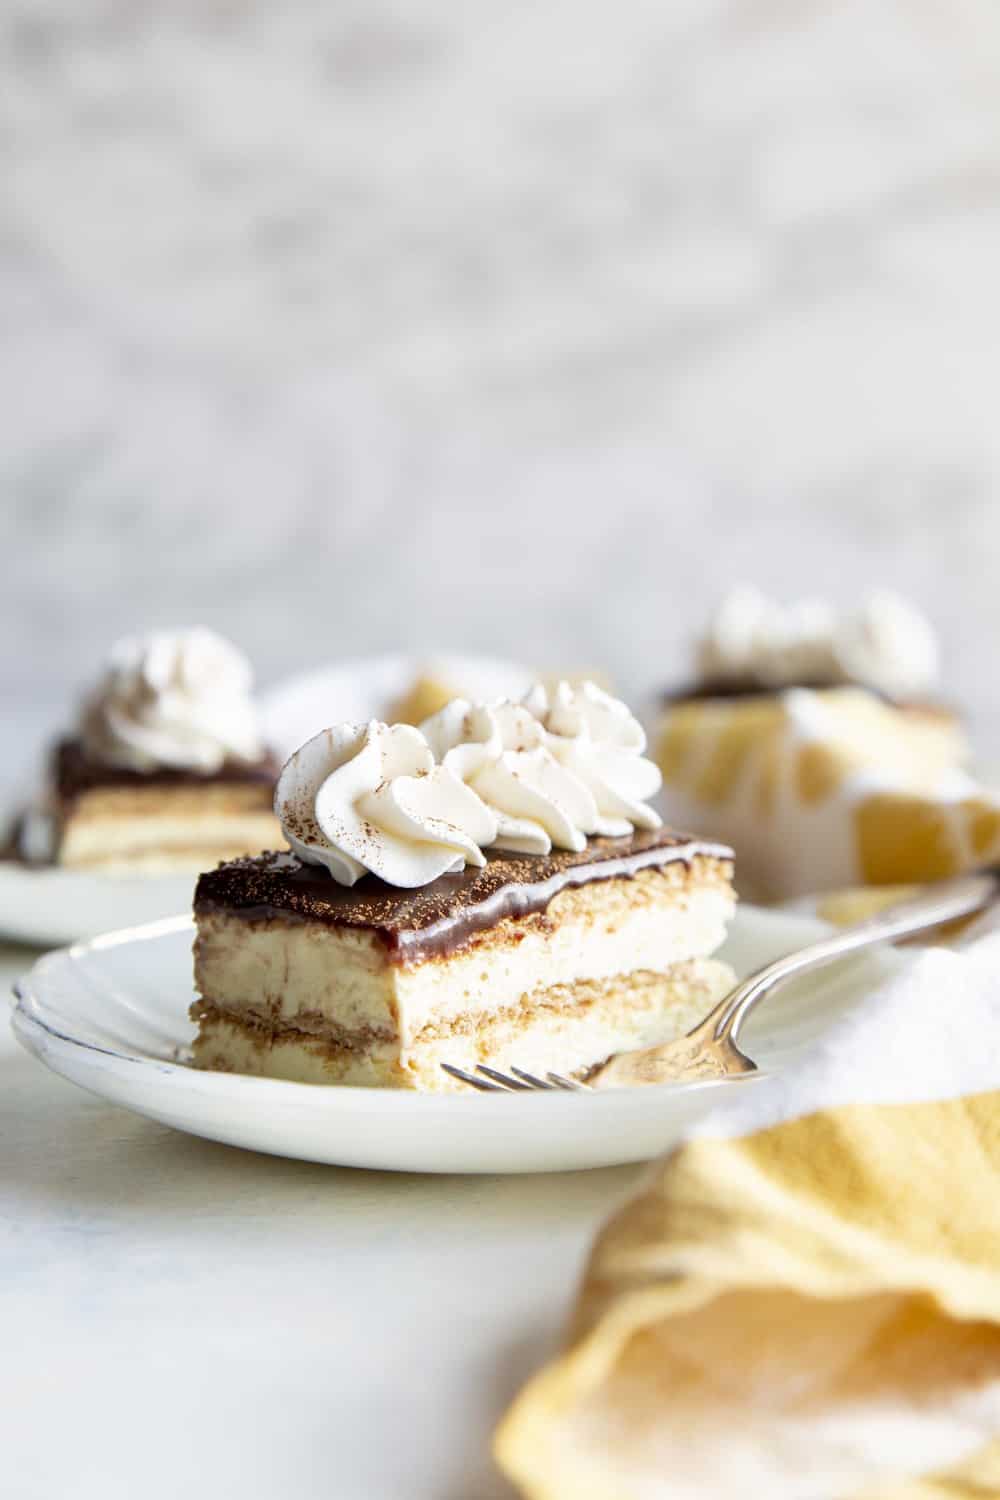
74	772
731	688
696	692
435	920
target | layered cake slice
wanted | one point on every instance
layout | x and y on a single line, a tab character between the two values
166	770
812	742
490	889
124	821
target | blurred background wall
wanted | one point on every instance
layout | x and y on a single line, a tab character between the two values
528	327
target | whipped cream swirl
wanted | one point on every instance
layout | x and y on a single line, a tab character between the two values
555	767
179	700
886	644
368	797
500	752
412	804
597	739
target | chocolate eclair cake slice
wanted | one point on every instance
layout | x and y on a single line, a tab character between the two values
165	770
123	821
540	961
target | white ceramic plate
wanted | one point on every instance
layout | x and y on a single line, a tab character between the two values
45	905
111	1015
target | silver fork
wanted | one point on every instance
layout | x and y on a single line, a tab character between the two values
517	1081
710	1050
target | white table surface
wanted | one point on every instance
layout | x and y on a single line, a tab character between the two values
184	1319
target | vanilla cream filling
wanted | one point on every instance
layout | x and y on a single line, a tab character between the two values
638	1010
280	970
157	842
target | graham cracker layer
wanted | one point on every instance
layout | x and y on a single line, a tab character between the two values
569	1028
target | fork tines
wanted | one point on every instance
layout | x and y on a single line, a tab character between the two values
517	1081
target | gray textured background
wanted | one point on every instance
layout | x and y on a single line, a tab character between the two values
526	328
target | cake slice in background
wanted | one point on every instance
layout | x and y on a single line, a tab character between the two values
166	770
814	744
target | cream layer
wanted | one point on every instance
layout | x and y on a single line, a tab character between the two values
278	973
166	827
567	1029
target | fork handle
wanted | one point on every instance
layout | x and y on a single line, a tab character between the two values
943	901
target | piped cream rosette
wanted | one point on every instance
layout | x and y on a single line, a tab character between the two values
824	789
176	699
410	805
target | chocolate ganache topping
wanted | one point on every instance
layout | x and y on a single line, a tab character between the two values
437	919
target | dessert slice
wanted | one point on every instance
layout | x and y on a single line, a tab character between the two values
491	889
166	771
810	745
538	961
124	821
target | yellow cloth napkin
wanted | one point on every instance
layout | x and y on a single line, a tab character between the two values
807	1309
